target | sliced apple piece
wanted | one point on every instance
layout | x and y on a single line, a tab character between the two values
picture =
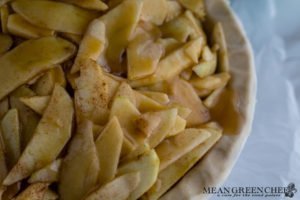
143	56
47	174
4	13
80	168
184	94
36	103
197	6
211	82
33	192
11	136
92	44
179	126
18	26
4	107
174	10
154	11
219	39
125	90
175	147
45	84
51	135
28	118
120	24
50	195
54	15
3	165
89	4
91	94
206	68
147	165
160	97
108	146
146	104
170	175
42	54
166	121
169	44
5	43
127	114
173	64
118	189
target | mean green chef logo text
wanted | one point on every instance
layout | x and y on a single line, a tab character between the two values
269	191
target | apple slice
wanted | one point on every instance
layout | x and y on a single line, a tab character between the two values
118	189
173	148
43	54
5	43
36	103
80	168
11	136
54	15
147	165
47	174
108	146
51	135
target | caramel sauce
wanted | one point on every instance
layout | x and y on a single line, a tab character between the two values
226	112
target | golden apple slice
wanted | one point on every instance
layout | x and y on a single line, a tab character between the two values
125	90
91	94
18	26
127	114
160	97
184	94
88	4
80	168
170	175
50	195
42	54
118	189
51	135
54	15
45	84
92	44
219	39
154	11
166	123
173	148
4	13
179	126
169	45
211	82
197	6
33	192
4	107
108	146
208	65
145	103
120	24
3	165
36	103
11	136
173	64
147	165
5	43
47	174
174	10
143	56
28	118
212	100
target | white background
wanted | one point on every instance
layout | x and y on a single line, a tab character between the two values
271	156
